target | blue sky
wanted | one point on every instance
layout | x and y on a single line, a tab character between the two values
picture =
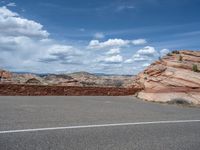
107	36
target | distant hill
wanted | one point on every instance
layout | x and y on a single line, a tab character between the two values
82	79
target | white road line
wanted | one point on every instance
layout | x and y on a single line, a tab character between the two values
96	126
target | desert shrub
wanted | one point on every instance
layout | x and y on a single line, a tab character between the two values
118	83
195	68
180	58
169	54
175	52
179	101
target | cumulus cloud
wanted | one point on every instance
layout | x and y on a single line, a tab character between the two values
147	51
11	43
146	54
139	42
61	53
138	57
25	45
99	35
96	44
4	12
11	24
164	52
113	51
111	59
114	59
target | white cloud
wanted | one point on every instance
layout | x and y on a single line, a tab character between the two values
147	51
128	61
138	57
60	49
96	44
99	35
12	4
63	54
116	58
139	42
164	52
4	12
13	25
24	45
111	59
146	54
113	51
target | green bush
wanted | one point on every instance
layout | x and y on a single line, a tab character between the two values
195	68
175	52
169	54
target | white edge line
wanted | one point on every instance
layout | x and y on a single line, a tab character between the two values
100	125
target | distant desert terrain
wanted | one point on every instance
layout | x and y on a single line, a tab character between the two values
173	78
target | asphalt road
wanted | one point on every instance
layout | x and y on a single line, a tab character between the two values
90	123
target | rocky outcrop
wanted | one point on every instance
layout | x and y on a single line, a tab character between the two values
175	77
5	76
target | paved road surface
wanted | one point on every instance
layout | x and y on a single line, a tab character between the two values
96	123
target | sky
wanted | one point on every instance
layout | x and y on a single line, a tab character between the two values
97	36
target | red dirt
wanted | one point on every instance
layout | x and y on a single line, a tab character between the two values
39	90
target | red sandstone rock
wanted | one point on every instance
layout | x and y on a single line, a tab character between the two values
172	78
38	90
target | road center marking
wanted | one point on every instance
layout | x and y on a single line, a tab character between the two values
97	126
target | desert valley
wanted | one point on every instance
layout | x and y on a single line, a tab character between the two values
175	78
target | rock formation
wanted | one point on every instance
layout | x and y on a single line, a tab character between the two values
174	78
5	76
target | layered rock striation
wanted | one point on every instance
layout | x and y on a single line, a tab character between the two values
175	77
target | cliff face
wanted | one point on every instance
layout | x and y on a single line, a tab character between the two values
175	77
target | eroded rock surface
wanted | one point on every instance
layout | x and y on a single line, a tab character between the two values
5	75
174	77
